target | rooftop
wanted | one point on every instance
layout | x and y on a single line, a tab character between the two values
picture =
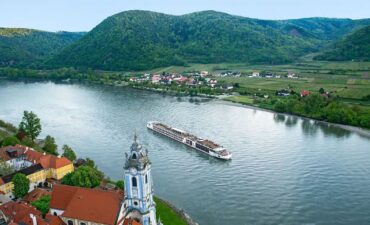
93	205
26	171
19	213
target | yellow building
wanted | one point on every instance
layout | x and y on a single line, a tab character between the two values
42	166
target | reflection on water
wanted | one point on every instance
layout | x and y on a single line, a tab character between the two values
331	130
285	170
291	121
279	118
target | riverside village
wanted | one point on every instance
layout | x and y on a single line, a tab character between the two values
49	202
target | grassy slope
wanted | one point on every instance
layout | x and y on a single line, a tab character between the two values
167	215
6	129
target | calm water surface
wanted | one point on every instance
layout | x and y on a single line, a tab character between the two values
285	170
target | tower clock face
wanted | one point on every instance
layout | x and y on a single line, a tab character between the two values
133	170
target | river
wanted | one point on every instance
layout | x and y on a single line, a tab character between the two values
285	170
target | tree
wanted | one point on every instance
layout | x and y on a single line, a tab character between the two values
12	140
5	168
21	185
91	163
50	145
321	91
30	125
26	141
69	153
84	176
43	204
120	184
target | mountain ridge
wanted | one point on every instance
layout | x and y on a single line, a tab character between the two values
141	39
355	46
27	47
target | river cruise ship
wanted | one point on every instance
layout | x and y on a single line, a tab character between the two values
202	145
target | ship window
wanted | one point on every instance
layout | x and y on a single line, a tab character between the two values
134	182
146	178
134	156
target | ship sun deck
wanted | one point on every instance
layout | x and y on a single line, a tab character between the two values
204	145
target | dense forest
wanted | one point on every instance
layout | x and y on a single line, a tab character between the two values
138	40
355	46
27	47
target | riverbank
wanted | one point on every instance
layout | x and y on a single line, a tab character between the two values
171	215
361	131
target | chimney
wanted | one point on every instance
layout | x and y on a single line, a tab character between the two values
34	220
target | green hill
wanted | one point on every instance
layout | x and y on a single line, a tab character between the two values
355	46
138	40
20	46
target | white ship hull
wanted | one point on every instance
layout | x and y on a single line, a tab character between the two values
192	141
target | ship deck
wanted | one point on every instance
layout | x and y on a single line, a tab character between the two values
205	142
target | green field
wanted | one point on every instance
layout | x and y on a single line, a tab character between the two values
247	100
346	80
167	215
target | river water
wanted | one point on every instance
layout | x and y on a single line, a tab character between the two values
285	170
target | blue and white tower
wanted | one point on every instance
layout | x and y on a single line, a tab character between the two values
138	200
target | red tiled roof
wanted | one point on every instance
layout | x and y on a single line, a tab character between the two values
54	220
87	204
304	93
18	212
129	221
46	160
35	195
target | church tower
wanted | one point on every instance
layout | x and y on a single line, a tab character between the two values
138	201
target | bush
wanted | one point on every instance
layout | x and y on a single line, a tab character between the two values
43	204
84	176
12	140
120	184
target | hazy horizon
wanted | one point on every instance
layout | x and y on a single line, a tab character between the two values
84	15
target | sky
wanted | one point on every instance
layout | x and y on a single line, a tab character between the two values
83	15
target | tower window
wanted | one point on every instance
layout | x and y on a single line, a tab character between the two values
70	222
146	178
134	182
134	156
135	203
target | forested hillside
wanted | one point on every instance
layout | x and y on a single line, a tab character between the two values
355	46
27	47
138	40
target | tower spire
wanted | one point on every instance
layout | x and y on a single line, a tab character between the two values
135	136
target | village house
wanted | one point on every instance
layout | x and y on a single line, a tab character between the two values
25	214
35	165
212	82
255	74
292	76
204	73
305	93
156	78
